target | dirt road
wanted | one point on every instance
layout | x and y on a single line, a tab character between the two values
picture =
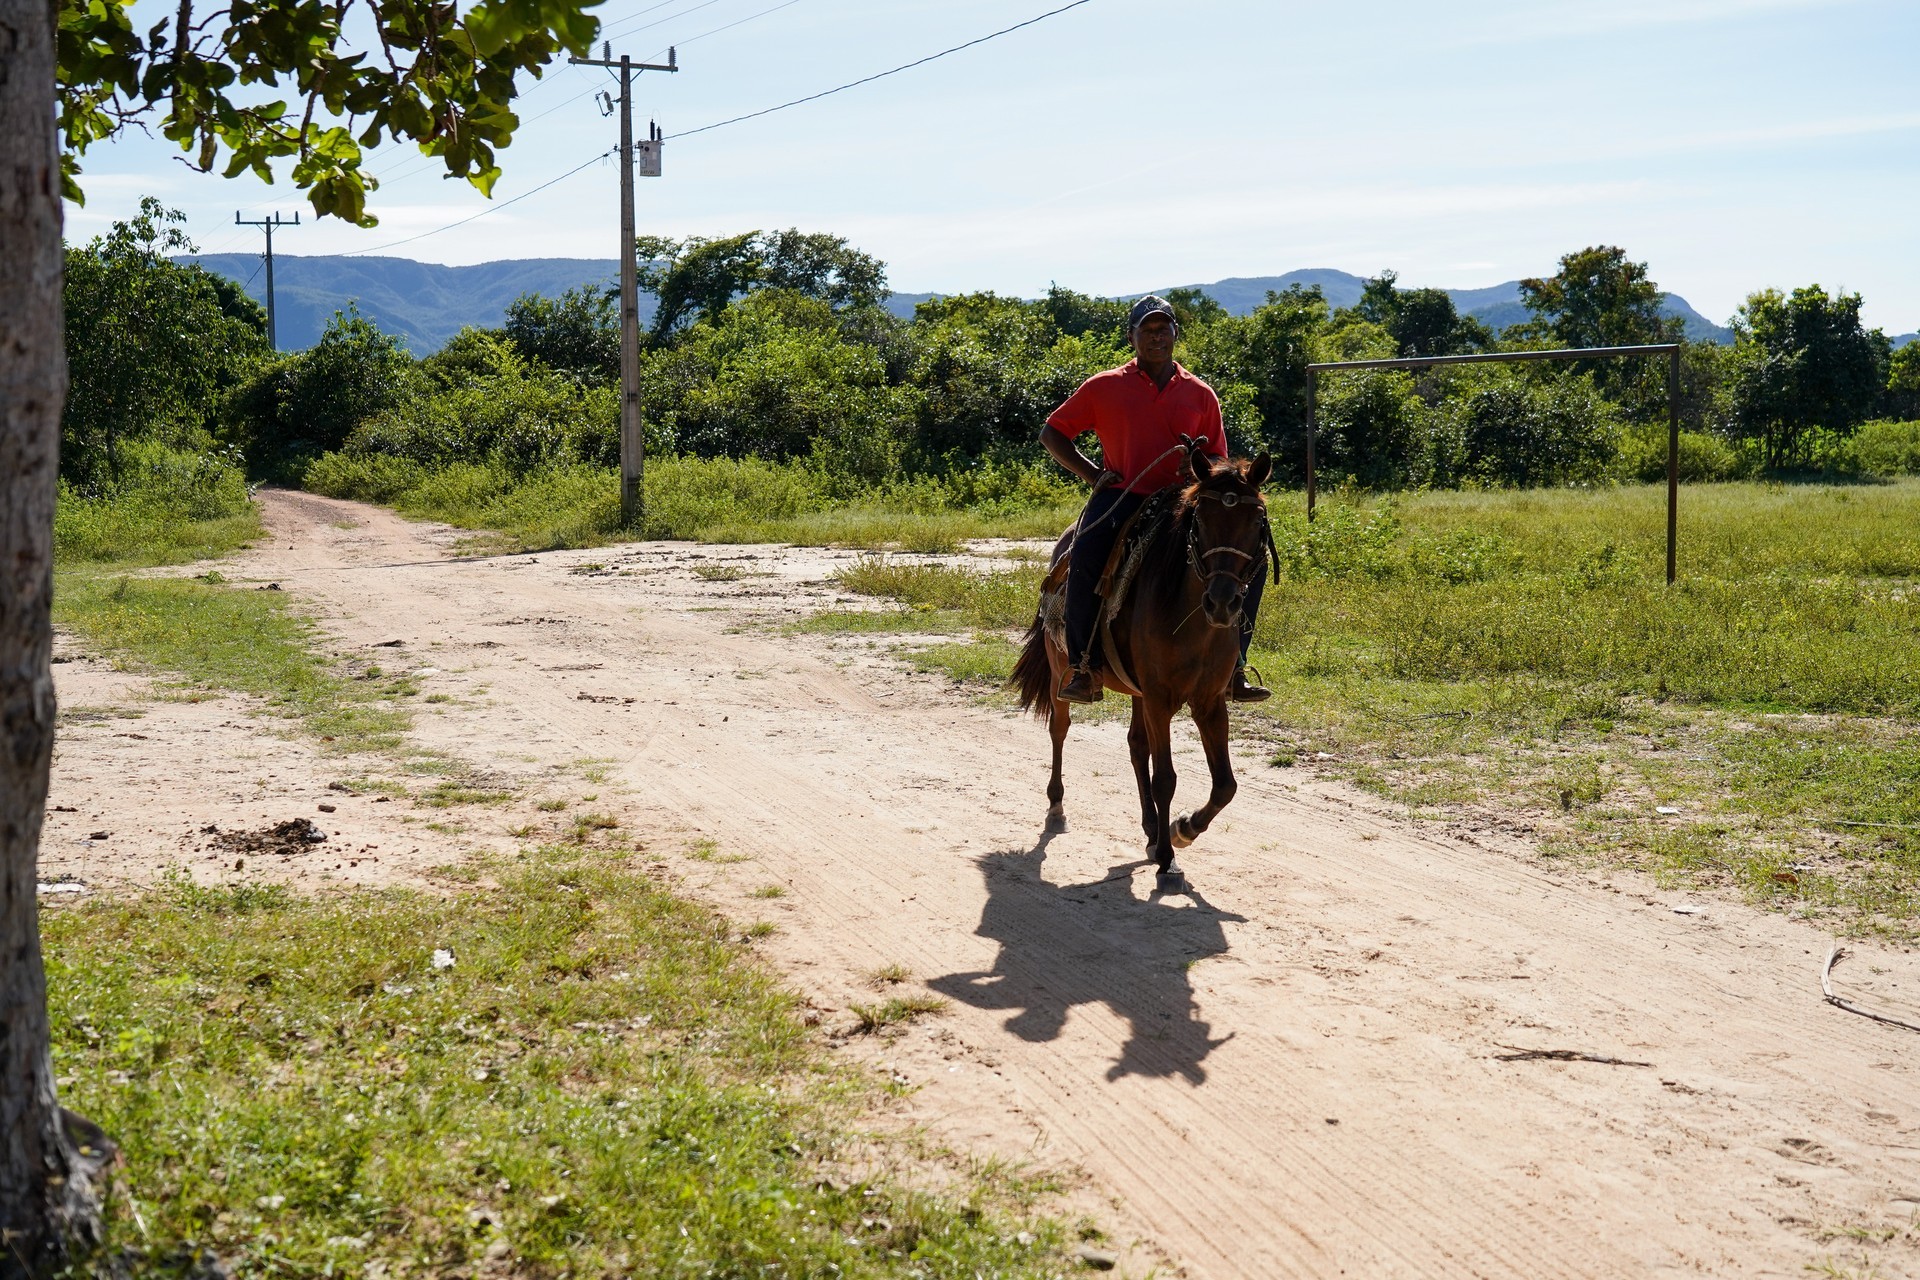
1321	1061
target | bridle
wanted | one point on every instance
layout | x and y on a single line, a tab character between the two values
1197	559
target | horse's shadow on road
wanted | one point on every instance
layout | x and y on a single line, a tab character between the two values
1096	943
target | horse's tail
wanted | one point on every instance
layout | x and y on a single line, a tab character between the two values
1033	673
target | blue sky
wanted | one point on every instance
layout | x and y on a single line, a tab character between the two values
1730	144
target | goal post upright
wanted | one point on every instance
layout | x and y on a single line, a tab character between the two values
1671	350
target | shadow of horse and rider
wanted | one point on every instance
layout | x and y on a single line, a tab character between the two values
1097	943
1101	943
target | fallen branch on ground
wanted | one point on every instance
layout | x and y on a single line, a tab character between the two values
1562	1055
1834	956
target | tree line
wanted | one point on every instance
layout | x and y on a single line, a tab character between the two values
777	346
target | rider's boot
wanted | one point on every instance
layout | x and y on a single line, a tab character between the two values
1080	686
1238	690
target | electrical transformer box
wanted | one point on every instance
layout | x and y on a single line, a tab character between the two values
647	156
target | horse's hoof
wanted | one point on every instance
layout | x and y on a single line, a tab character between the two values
1184	834
1171	875
1056	819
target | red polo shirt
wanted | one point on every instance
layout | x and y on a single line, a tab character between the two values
1138	422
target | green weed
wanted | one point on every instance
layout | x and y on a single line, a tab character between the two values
896	1010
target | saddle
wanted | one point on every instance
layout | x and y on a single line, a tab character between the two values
1116	581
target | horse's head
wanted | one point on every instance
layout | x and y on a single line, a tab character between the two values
1227	531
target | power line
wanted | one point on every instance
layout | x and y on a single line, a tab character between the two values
815	97
395	244
704	4
786	4
854	84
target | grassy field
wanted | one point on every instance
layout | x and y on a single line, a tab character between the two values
569	1072
1521	652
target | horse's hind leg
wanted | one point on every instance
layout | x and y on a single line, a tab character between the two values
1057	724
1212	723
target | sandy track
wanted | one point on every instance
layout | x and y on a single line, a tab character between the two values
1293	1070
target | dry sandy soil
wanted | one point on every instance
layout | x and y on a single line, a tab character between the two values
1333	1055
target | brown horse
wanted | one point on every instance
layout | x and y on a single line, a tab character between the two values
1175	636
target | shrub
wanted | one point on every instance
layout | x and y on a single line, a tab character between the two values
164	500
1517	428
1643	457
308	403
1876	449
496	408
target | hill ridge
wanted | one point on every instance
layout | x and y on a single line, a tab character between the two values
426	303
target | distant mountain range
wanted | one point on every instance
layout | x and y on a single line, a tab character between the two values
425	303
422	302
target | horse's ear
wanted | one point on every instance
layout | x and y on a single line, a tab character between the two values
1191	460
1261	470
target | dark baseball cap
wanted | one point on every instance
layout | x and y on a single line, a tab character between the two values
1151	305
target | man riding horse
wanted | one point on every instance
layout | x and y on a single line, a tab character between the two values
1139	411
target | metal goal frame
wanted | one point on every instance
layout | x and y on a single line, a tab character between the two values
1671	350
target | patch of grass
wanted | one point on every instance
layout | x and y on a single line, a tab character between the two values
880	622
896	1010
762	929
585	824
985	599
890	974
706	849
718	572
447	794
226	638
601	1083
985	660
551	806
770	891
167	507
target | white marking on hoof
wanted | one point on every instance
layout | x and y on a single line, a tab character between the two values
1172	871
1057	812
1183	834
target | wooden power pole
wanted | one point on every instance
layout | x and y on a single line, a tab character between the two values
268	224
633	448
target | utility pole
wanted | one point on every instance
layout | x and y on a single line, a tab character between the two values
273	339
632	445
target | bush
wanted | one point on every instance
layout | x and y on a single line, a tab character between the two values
166	502
1520	428
1876	449
687	495
496	408
308	403
1703	458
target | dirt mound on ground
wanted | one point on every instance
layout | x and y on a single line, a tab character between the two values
295	835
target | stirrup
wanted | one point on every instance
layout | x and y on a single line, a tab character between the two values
1092	692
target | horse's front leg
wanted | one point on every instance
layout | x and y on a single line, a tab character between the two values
1142	770
1159	719
1211	719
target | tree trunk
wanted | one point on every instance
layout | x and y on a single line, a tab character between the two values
48	1160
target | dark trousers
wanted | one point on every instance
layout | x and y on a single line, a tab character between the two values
1107	513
